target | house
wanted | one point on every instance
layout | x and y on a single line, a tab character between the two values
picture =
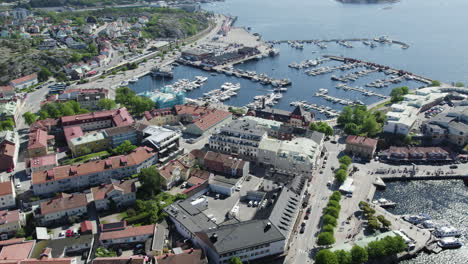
143	19
416	154
10	222
297	118
20	13
121	194
449	126
199	119
48	124
179	256
361	146
99	120
16	252
93	173
39	142
295	157
7	195
161	117
7	91
24	82
102	59
88	143
41	163
221	163
118	135
175	171
10	109
65	246
87	98
127	235
62	206
224	185
8	150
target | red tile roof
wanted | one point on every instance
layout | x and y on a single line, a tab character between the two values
129	231
158	112
203	117
120	117
37	139
121	260
168	169
7	88
17	251
195	181
7	149
101	191
6	188
45	124
365	141
24	79
9	216
136	157
72	132
189	256
43	161
64	202
12	241
86	226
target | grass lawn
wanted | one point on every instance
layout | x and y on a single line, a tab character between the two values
81	159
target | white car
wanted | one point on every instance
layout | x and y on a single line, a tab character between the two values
238	188
18	185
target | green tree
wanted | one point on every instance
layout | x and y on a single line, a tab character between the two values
335	204
373	223
20	232
106	104
336	196
398	93
376	249
346	160
340	175
325	256
29	118
344	257
332	211
321	127
328	228
459	84
92	49
351	129
370	126
325	239
151	182
435	83
103	252
125	148
44	74
235	260
7	124
329	220
346	115
385	223
80	21
393	245
358	255
380	117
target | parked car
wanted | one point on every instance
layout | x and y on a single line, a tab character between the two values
302	230
69	233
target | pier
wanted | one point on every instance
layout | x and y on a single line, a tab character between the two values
380	67
322	109
342	42
391	178
361	90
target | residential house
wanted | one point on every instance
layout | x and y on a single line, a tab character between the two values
88	143
87	98
416	154
99	120
118	135
121	194
221	163
39	142
61	207
199	119
161	117
10	222
179	256
10	109
7	195
7	91
19	251
9	144
41	163
361	146
24	82
93	173
174	172
297	118
127	235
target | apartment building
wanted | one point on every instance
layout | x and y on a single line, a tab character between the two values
7	195
121	194
61	207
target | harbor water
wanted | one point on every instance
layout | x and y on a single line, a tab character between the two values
444	201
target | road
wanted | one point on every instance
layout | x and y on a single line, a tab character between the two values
301	245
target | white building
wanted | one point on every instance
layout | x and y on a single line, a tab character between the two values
164	140
7	195
297	156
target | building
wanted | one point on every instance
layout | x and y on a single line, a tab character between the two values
7	91
297	118
200	119
65	246
17	251
87	98
161	117
8	150
403	115
20	13
127	235
224	185
449	126
296	157
10	109
179	256
118	135
196	54
89	143
361	146
120	194
274	128
93	173
221	163
239	138
24	82
99	120
7	195
175	171
164	140
48	124
166	97
61	207
10	222
122	260
41	163
415	154
39	143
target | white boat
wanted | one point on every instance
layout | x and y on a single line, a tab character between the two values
447	231
124	83
201	79
416	219
133	80
449	242
384	203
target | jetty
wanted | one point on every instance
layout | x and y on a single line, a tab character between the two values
383	68
343	42
329	112
390	178
361	90
324	94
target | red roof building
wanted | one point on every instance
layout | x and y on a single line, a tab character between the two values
199	119
137	234
99	120
41	163
189	256
38	143
361	146
7	155
24	81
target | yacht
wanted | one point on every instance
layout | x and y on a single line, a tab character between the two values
416	219
384	203
201	79
124	83
450	242
447	231
133	80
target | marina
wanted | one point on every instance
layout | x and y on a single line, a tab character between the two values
342	42
365	92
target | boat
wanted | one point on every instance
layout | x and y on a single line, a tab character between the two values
124	83
133	80
416	219
163	72
449	242
428	224
201	79
367	43
447	231
384	203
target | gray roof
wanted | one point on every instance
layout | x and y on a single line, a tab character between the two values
224	181
190	216
58	246
242	235
284	211
244	126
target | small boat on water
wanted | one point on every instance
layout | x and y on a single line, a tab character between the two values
449	242
416	219
133	80
447	231
384	203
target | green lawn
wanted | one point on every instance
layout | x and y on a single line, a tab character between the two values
81	159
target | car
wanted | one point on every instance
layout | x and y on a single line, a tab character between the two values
250	204
321	172
333	142
18	185
248	178
183	185
306	217
308	210
69	233
217	196
349	195
302	229
323	166
255	203
303	223
329	183
453	167
238	188
61	234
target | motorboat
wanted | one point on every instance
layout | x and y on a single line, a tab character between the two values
133	80
384	203
449	242
416	219
447	231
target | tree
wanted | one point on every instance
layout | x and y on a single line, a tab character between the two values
103	252
332	211
373	223
435	83
375	249
328	228
325	239
358	255
321	127
29	118
7	124
346	115
385	223
106	104
345	160
124	148
370	126
380	117
398	93
344	257
20	232
335	204
151	182
235	260
329	220
336	196
340	175
325	256
351	129
44	74
393	245
459	84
